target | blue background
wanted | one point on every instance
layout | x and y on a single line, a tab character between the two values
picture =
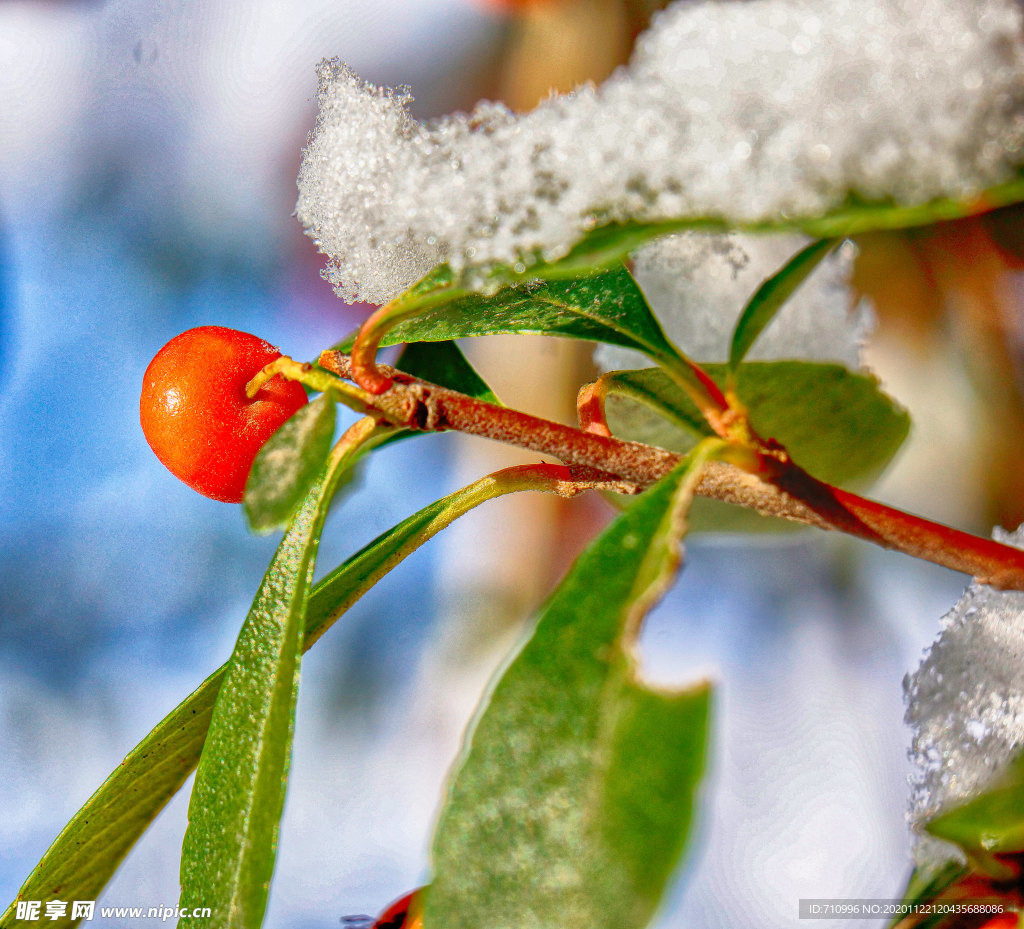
147	163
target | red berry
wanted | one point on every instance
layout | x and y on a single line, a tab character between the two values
402	914
1008	920
195	413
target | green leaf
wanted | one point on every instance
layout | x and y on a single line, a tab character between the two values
347	583
604	307
83	858
573	804
285	468
771	296
610	243
231	841
924	885
836	424
444	363
990	823
607	306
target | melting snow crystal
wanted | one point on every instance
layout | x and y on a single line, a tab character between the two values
966	701
741	110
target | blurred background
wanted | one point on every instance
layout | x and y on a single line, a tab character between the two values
148	154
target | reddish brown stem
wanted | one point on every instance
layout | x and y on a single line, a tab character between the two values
422	297
786	491
365	371
988	561
590	409
719	406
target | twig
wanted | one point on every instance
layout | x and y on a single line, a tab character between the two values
786	491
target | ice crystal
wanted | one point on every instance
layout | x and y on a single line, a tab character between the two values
746	111
966	701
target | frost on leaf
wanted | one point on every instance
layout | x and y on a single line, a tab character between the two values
743	111
966	702
697	285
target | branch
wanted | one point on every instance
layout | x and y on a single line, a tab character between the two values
786	491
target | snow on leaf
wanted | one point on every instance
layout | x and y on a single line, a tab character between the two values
741	112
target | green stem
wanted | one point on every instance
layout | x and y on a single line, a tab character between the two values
721	413
311	377
336	593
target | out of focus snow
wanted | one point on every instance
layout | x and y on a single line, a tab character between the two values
966	701
698	283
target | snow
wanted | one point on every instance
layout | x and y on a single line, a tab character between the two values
745	111
966	702
697	284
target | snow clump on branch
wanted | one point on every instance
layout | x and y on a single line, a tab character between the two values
740	112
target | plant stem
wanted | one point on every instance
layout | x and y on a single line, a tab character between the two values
365	370
782	489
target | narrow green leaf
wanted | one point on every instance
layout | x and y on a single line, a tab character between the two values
83	858
858	214
444	363
231	841
836	424
771	296
285	468
610	243
990	823
347	583
924	885
574	801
